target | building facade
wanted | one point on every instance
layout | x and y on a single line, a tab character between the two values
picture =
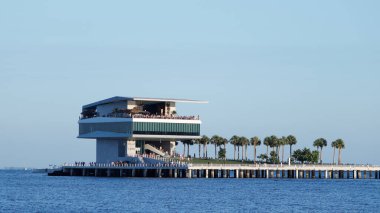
125	127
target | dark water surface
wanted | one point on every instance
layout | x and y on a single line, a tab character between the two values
23	191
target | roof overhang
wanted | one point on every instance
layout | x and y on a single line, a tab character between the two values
119	98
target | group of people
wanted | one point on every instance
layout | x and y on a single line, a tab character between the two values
166	117
79	163
128	115
119	163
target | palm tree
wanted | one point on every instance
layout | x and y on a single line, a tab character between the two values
340	145
333	145
205	140
234	141
216	141
291	141
189	142
273	143
184	147
267	143
238	149
255	141
199	142
224	141
243	141
320	143
282	142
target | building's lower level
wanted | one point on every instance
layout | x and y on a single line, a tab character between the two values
112	150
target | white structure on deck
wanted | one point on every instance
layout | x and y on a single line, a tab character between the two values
128	126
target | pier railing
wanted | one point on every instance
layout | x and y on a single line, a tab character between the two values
223	166
110	165
286	166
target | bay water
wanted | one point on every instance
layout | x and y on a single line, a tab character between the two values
24	191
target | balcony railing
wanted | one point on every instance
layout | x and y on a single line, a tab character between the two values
125	115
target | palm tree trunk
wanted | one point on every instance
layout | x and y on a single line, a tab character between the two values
246	148
238	152
215	151
242	152
334	156
320	156
254	153
267	151
184	149
234	152
199	150
188	150
339	158
282	157
206	150
290	150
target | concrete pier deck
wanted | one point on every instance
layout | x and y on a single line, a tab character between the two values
223	171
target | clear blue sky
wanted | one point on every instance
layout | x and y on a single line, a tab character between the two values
308	68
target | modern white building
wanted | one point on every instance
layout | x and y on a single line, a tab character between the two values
127	126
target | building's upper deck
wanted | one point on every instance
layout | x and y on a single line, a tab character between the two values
134	107
138	118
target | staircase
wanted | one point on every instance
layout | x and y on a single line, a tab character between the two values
154	149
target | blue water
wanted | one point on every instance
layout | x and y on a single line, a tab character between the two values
23	191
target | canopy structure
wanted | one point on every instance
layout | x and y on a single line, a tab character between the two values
119	98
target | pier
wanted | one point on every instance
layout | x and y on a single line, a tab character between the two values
265	171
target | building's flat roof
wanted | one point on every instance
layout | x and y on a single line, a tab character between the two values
119	98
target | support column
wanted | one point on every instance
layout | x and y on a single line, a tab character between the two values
237	173
241	175
296	173
170	171
278	173
175	173
354	175
108	172
267	173
359	174
189	173
71	172
206	175
326	174
145	171
83	172
212	173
